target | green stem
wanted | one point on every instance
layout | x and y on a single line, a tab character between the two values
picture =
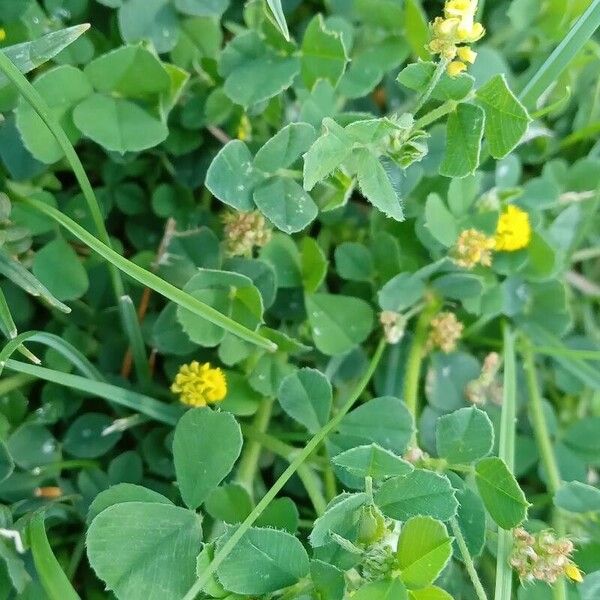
329	477
544	443
504	576
435	114
414	361
435	78
312	486
248	464
310	447
466	556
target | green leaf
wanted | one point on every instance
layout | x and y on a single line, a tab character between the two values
338	323
145	551
326	154
314	264
54	581
439	221
401	292
231	176
230	503
416	28
282	254
205	448
275	6
376	185
341	517
323	54
329	581
417	493
372	461
255	72
263	561
149	20
202	8
577	497
306	397
506	119
385	589
285	204
430	593
500	492
424	549
30	55
62	88
130	71
120	493
464	436
463	141
118	125
58	267
85	438
416	76
353	261
285	147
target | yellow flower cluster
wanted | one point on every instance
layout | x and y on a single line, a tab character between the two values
445	332
513	231
199	384
453	33
473	248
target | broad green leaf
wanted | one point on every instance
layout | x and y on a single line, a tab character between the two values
286	204
282	254
85	438
277	10
323	54
121	493
376	185
57	266
263	561
430	593
130	71
62	88
149	20
145	551
353	261
372	461
230	503
205	448
29	55
417	493
424	549
202	8
338	323
416	76
506	119
282	513
385	589
285	147
255	72
314	264
463	141
306	396
577	497
118	125
329	581
326	154
401	292
464	436
341	517
500	492
458	286
231	176
417	28
439	221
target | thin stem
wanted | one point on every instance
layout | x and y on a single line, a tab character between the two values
435	78
466	556
504	576
435	114
329	477
312	486
414	361
310	447
248	464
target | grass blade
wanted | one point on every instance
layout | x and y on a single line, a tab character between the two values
504	576
136	340
52	577
277	10
29	55
564	53
6	321
151	280
159	411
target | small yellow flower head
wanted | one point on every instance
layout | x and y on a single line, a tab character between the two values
244	131
453	32
543	557
445	332
199	384
513	231
2	34
473	248
245	231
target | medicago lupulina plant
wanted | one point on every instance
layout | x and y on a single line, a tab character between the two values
309	314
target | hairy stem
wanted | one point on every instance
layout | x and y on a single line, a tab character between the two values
466	556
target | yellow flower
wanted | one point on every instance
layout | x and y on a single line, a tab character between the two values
572	572
513	231
466	54
456	67
199	384
473	248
